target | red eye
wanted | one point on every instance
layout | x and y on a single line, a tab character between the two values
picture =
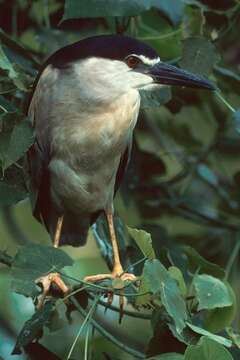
132	61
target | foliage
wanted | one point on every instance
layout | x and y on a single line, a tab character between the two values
41	260
207	349
179	204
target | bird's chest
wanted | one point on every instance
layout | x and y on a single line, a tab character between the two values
87	155
92	138
111	130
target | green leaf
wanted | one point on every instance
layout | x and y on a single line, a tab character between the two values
155	97
102	8
176	274
195	23
145	289
5	64
199	55
55	322
218	319
17	48
161	282
168	356
32	328
211	292
207	349
144	242
235	337
33	261
10	194
217	338
38	10
198	262
186	337
19	142
172	9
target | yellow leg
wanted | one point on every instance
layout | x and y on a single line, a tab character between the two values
117	271
52	278
58	232
117	266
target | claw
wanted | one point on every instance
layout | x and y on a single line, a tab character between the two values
118	280
46	282
121	306
110	298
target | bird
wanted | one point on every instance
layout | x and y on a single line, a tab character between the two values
84	108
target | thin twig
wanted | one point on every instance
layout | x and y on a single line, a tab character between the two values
232	257
135	264
86	344
190	290
7	91
86	319
219	95
3	109
46	14
106	334
161	37
189	212
77	291
99	287
20	49
133	314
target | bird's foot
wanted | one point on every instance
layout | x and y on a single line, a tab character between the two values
46	282
114	276
118	278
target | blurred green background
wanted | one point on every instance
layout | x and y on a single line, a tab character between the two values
183	181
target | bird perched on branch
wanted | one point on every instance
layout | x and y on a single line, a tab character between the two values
84	109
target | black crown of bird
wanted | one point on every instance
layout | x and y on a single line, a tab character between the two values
84	108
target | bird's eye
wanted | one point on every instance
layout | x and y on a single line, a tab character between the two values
132	61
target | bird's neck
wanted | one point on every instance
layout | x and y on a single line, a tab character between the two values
103	81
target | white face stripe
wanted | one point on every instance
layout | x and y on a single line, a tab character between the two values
146	60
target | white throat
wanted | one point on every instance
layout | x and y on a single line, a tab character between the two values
104	80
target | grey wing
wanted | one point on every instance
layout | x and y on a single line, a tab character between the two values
38	158
124	161
74	230
39	185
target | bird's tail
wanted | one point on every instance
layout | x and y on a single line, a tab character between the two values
74	231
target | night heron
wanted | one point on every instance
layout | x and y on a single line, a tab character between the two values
84	109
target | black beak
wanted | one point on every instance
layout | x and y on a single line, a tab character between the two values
163	73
